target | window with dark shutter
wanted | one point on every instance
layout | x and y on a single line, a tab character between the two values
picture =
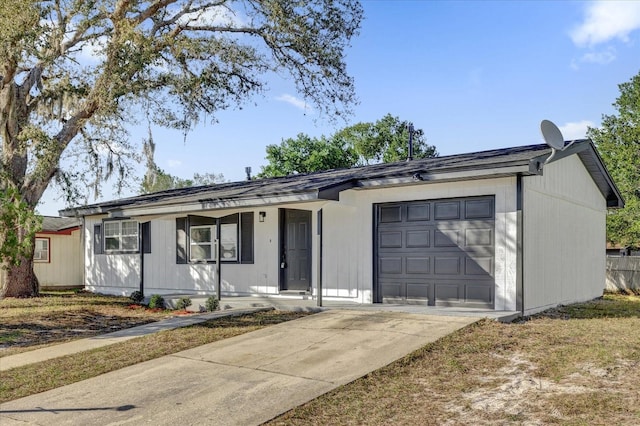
195	236
121	236
97	239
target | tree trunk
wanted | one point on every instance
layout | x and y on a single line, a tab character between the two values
19	280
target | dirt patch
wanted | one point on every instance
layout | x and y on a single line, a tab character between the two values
63	326
520	386
27	324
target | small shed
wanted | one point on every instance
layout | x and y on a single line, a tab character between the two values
57	259
507	229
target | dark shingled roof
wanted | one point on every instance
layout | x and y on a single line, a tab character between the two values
326	184
54	223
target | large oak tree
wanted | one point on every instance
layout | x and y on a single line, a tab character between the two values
74	72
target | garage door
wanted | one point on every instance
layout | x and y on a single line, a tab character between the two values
436	252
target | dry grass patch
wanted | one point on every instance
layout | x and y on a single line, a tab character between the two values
54	317
30	379
574	365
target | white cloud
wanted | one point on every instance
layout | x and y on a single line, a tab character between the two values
298	103
576	130
607	20
174	163
603	57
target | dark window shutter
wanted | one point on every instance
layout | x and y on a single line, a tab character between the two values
97	239
181	240
146	237
246	237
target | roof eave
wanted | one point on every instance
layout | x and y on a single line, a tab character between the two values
588	154
426	176
211	204
325	193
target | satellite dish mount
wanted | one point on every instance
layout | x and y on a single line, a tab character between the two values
553	137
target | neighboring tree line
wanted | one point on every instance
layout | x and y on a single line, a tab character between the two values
385	140
618	142
156	179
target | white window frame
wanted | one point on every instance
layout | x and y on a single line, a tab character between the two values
211	244
37	253
119	236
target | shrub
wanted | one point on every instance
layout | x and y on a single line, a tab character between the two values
156	301
183	303
212	304
136	297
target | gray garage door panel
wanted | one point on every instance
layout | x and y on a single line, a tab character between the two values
436	252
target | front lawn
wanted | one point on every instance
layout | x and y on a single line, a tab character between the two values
59	316
30	379
575	365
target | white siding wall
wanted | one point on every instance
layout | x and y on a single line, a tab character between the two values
347	248
109	273
163	275
65	266
119	274
564	233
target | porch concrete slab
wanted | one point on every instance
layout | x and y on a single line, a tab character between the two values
310	304
244	380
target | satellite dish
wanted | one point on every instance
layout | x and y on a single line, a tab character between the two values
552	135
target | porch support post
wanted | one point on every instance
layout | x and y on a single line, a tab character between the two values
319	285
218	264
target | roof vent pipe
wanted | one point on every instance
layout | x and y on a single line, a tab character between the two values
410	128
247	170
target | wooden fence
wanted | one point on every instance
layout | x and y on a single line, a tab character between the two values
623	273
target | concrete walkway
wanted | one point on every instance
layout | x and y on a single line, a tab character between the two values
81	345
243	380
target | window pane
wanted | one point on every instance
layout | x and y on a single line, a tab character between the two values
200	252
129	228
229	241
111	228
201	235
111	243
129	243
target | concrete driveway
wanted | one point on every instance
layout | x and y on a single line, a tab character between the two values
244	380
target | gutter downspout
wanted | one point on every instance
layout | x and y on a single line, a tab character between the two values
83	236
218	268
520	306
141	248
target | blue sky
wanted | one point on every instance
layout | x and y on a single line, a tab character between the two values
474	75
